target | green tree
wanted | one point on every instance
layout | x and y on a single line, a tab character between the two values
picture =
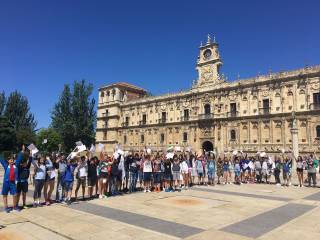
17	110
7	135
73	116
2	102
53	140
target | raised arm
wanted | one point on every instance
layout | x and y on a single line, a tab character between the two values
3	161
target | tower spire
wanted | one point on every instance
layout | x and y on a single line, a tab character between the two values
209	39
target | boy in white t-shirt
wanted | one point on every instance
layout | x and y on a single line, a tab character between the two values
81	176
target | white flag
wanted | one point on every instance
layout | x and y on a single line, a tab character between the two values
100	147
82	148
34	151
93	148
31	147
79	143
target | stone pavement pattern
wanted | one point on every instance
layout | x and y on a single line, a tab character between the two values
221	212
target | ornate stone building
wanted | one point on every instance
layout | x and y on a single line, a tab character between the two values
252	114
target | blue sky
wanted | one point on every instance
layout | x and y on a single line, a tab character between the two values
153	44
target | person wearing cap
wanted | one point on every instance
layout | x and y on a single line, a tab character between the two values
10	179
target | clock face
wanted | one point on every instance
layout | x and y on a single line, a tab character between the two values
207	54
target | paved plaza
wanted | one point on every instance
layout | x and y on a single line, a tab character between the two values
249	211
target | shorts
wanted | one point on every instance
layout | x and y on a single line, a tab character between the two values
237	173
157	177
92	181
147	176
103	175
81	181
22	187
68	186
9	187
300	170
167	176
211	175
200	174
176	176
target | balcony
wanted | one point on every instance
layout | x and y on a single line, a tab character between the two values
185	118
314	106
264	111
206	116
233	114
142	122
125	124
162	120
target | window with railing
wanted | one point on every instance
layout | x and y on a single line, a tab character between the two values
144	119
207	109
163	118
186	115
233	109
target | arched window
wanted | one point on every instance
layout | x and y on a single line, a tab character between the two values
233	134
318	131
207	109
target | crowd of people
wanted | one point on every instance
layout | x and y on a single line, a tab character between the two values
105	175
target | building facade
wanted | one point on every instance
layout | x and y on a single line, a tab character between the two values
252	115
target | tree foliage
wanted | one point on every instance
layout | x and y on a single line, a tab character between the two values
2	102
17	110
7	135
73	116
53	140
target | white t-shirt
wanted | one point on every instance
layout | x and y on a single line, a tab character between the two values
147	167
83	171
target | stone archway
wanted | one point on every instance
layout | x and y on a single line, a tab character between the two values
207	146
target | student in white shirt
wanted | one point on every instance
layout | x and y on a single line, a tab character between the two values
81	176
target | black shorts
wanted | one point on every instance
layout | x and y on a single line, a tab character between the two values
22	187
157	177
92	181
167	176
300	170
147	176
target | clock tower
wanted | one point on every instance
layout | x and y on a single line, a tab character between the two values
209	63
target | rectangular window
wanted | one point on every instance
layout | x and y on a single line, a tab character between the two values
266	107
316	101
163	117
127	121
144	119
124	139
233	109
186	114
162	138
142	139
185	137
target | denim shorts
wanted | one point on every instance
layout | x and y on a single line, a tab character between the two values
9	187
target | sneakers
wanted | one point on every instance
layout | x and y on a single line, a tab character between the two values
25	207
16	209
148	190
7	210
145	191
100	196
